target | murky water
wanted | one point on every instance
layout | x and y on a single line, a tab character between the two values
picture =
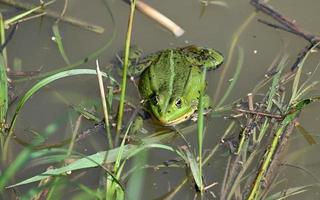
215	28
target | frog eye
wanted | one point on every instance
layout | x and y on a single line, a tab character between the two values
155	99
178	103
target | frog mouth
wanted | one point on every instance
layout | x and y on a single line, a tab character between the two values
165	122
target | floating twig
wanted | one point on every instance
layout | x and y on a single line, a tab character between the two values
160	18
278	117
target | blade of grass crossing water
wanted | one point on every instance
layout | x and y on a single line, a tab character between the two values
234	78
87	58
36	88
3	76
21	159
26	13
97	159
4	101
289	192
111	191
295	85
134	188
234	41
3	85
111	188
258	183
105	157
125	67
3	93
272	93
58	40
198	173
195	168
275	82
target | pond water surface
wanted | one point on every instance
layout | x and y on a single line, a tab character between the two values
214	27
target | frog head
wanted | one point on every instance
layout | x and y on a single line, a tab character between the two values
206	57
211	58
172	111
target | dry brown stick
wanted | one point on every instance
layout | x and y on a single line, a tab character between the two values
288	25
278	117
303	53
159	18
276	26
285	21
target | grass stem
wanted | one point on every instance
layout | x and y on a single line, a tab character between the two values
125	67
104	105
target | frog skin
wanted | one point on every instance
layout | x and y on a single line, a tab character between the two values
170	82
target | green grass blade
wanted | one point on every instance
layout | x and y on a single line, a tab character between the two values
195	169
125	67
111	187
304	90
24	14
96	160
234	79
134	188
3	92
23	157
36	88
84	60
14	167
95	194
275	82
86	114
295	85
271	94
3	84
235	38
289	192
58	40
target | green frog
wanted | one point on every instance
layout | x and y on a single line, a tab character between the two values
170	82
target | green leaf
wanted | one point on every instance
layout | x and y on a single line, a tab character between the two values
194	167
3	91
58	40
96	160
36	88
26	13
289	192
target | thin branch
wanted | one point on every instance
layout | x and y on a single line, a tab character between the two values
288	25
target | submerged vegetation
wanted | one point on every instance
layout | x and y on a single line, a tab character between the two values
252	145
